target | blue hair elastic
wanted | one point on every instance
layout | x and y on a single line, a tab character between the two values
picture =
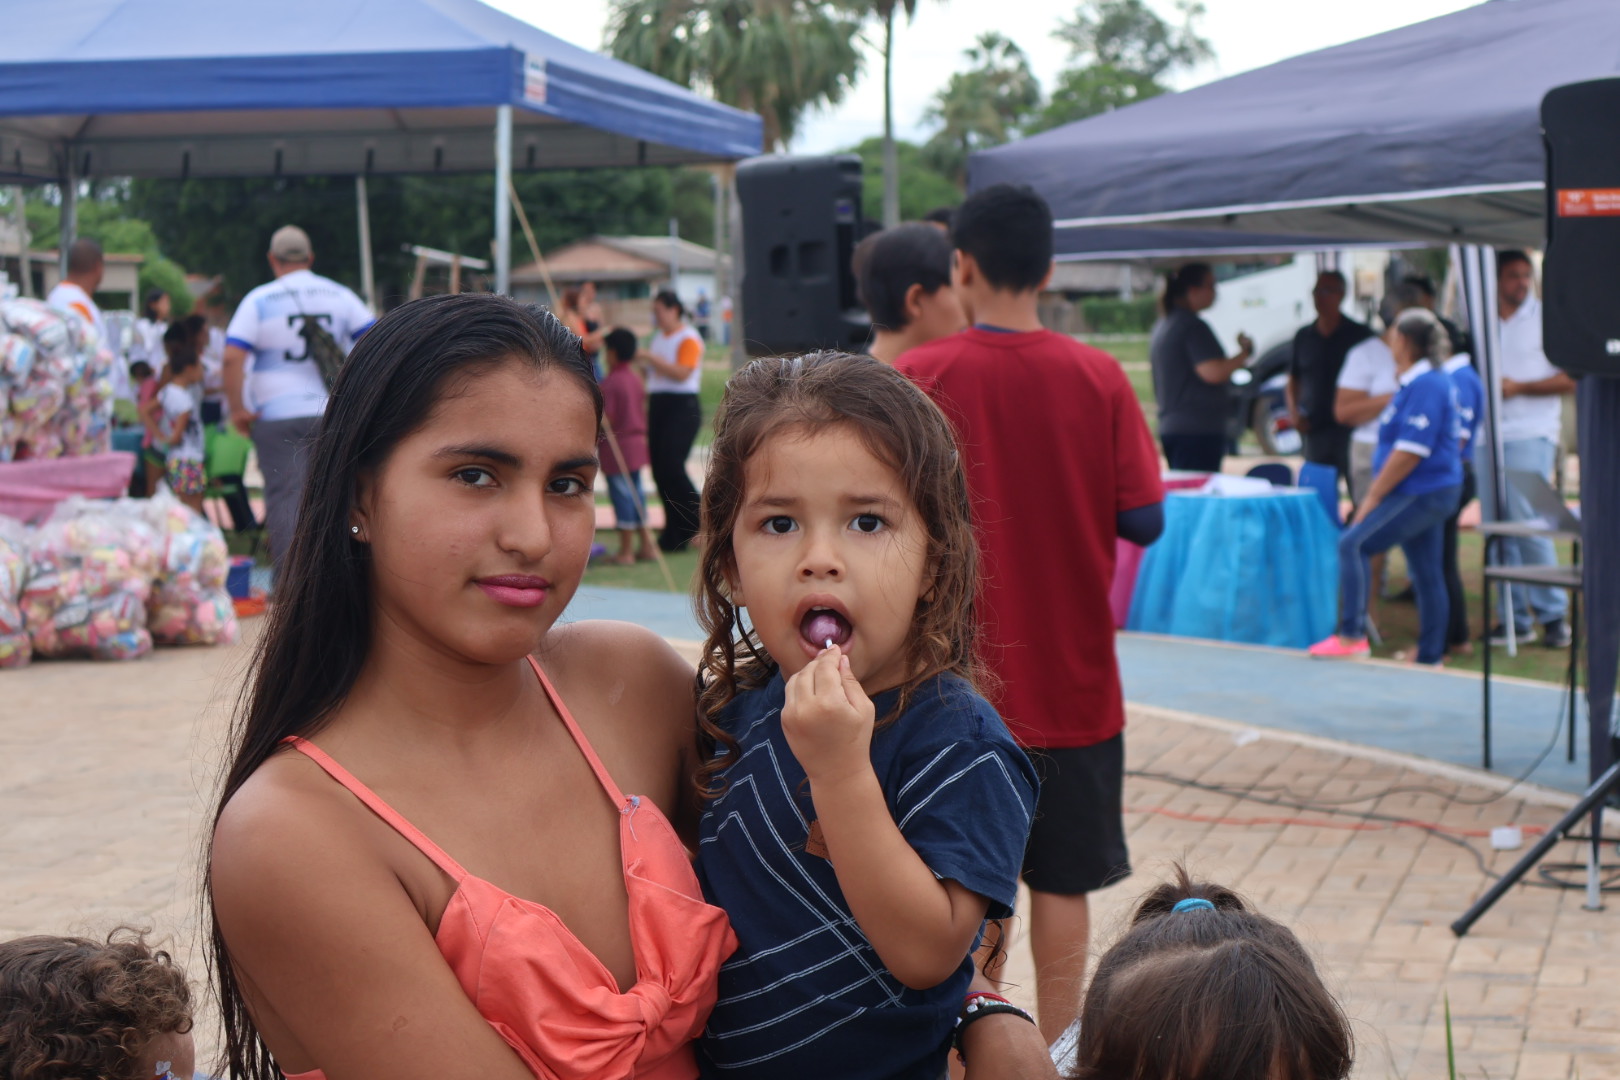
1193	903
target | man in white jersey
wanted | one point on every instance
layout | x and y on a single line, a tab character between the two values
1531	424
288	391
75	294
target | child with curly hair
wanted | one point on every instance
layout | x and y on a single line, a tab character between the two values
866	809
81	1009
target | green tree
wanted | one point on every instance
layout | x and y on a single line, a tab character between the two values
983	106
223	226
103	215
1119	53
920	189
777	58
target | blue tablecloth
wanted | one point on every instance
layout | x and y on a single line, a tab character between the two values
1262	570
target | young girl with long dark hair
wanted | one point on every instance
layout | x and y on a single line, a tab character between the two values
446	844
866	807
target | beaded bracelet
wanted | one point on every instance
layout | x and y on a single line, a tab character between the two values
980	1004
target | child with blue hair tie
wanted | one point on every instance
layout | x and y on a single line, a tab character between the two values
1202	988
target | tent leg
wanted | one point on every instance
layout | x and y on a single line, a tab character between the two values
503	207
25	265
70	213
368	285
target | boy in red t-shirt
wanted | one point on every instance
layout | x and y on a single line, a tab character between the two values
1061	464
624	412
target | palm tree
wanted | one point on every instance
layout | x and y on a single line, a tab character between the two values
983	106
885	11
778	58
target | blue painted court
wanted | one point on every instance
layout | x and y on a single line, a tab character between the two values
1432	714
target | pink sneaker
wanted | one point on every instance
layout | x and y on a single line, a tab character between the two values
1335	647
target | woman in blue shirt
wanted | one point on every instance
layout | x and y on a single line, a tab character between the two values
1417	486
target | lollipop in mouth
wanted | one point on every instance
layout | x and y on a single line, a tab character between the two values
824	627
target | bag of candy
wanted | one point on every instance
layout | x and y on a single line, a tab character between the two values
15	647
90	571
189	604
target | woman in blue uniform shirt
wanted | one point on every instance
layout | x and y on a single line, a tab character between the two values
1417	486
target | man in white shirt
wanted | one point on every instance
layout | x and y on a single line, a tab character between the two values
1366	384
74	294
1531	424
289	394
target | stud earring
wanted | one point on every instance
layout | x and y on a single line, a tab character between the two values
355	529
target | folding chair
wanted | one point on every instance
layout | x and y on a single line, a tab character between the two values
1324	480
225	454
1279	474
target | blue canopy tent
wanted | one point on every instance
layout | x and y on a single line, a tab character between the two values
178	88
1429	133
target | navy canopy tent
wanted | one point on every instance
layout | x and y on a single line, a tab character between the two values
177	88
1429	132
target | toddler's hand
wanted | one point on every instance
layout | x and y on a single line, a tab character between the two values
827	719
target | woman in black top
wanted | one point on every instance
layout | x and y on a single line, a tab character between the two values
1191	372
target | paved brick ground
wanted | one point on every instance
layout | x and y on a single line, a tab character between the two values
105	772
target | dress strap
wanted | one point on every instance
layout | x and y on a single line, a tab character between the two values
375	804
579	737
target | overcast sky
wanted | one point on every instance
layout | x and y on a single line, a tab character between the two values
1246	34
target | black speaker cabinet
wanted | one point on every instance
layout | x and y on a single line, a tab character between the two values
801	219
1581	272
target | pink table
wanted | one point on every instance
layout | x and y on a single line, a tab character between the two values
1128	557
30	489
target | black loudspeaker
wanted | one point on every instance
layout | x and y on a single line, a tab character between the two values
801	220
1581	271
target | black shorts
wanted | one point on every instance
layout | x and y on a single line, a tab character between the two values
1077	842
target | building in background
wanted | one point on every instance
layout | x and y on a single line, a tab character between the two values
627	270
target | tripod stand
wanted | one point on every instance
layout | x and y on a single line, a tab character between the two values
1590	802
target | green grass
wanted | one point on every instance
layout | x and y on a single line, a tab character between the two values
642	575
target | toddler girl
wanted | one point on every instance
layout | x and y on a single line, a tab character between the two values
866	809
1201	988
177	407
73	1008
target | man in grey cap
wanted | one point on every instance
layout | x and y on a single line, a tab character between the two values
286	391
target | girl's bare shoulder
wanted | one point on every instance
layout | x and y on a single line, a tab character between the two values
622	669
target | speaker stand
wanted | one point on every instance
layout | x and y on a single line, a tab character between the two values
1591	802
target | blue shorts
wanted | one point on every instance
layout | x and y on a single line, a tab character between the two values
624	489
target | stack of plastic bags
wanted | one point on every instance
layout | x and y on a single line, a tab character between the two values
107	579
15	646
56	388
189	604
90	572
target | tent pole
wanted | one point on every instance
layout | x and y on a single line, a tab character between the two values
1485	323
368	286
25	265
503	207
70	212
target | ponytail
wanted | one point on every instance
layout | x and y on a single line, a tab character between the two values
1426	333
1178	282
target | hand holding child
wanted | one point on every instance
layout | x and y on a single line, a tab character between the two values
828	719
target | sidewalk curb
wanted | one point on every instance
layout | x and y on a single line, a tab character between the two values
1531	793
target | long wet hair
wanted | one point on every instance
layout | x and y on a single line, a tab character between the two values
319	630
902	428
1213	993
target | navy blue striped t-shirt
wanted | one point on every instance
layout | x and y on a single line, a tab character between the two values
806	995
